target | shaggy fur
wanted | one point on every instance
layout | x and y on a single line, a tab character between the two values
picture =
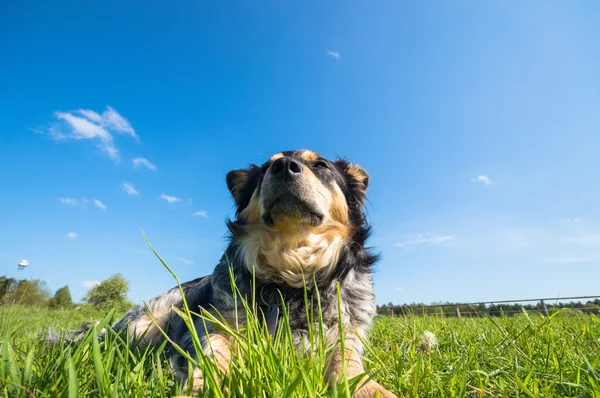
298	217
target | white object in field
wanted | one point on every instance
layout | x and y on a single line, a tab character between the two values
15	282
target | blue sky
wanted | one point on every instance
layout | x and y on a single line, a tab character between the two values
478	123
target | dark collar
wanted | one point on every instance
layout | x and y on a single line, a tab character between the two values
269	299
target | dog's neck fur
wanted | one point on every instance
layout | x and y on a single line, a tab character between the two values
291	257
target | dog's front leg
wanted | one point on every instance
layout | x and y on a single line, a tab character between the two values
352	358
215	346
218	348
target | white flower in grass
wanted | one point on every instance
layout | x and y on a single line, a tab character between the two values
428	341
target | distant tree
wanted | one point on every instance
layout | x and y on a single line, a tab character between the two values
31	292
62	298
110	293
4	285
498	309
384	310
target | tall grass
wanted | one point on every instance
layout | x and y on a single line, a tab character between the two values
485	357
529	356
110	366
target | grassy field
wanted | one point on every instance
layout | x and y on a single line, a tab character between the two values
484	357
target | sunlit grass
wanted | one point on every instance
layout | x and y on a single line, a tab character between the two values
519	356
485	357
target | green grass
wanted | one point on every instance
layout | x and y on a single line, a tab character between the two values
507	357
521	356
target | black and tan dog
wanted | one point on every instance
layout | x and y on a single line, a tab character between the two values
299	218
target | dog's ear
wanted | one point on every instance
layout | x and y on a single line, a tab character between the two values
236	180
359	175
239	181
357	179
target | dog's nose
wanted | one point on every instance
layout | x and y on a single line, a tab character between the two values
286	168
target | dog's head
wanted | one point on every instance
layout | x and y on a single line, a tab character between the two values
297	209
299	189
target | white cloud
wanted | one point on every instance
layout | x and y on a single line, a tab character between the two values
83	129
484	179
114	121
72	235
130	189
69	201
334	54
99	204
78	202
139	162
400	289
89	284
185	260
91	115
37	131
414	240
86	124
56	132
170	199
201	213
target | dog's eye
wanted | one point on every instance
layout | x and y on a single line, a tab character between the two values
265	167
319	164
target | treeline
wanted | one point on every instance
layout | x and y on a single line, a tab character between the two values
108	294
450	309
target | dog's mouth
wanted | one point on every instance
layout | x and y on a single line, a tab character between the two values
290	209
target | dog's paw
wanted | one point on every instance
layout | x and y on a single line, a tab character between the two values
373	389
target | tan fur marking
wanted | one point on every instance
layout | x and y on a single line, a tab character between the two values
275	157
252	212
358	172
332	203
360	175
339	206
309	156
219	349
354	367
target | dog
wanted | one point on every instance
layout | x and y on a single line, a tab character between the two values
299	226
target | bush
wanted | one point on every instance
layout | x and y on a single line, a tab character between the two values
110	293
62	298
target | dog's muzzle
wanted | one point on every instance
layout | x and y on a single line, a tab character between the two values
287	196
